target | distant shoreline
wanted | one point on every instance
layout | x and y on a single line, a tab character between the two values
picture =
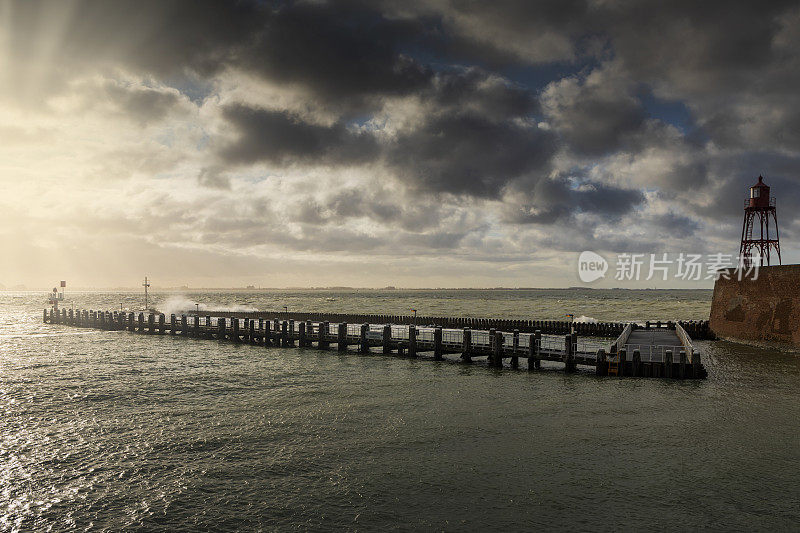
372	289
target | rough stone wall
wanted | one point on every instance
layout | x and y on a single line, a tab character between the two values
766	309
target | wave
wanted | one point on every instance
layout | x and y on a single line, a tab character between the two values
182	304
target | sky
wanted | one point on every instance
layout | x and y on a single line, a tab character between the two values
440	143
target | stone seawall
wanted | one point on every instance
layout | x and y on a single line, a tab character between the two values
766	309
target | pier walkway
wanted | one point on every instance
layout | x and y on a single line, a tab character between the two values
409	340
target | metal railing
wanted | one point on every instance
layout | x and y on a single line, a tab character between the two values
622	339
685	340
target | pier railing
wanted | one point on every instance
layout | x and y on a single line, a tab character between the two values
686	341
622	339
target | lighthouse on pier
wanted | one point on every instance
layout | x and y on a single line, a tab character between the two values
757	243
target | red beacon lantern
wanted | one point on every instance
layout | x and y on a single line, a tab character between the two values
759	209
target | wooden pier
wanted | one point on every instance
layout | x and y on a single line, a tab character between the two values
499	348
698	329
625	356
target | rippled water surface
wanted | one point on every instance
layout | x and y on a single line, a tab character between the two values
113	430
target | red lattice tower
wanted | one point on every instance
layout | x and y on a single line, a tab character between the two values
759	209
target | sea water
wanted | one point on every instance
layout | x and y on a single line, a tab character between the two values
109	430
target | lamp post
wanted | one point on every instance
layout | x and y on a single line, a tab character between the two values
286	311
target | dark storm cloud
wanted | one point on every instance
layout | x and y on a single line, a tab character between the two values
554	200
476	138
674	225
469	154
463	69
279	137
339	52
596	115
697	46
374	204
343	55
480	91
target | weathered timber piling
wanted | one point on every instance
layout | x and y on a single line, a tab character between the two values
497	350
234	330
668	364
386	338
466	350
437	344
601	369
682	363
494	344
341	337
324	331
569	354
636	369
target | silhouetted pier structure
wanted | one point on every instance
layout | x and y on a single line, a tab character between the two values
496	346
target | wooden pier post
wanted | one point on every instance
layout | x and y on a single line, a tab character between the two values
667	373
535	351
601	368
234	329
284	333
173	324
221	330
341	337
697	367
637	363
267	334
324	328
437	344
497	349
364	342
161	326
301	334
251	331
514	350
569	356
682	365
309	332
623	356
466	349
387	338
412	340
184	326
290	333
